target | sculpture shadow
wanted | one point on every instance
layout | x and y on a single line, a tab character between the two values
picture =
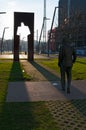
16	73
81	62
75	101
47	74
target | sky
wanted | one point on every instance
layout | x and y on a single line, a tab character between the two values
35	6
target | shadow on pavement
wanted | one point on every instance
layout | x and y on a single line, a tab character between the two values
78	92
17	90
47	74
18	115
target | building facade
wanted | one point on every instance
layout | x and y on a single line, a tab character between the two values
52	44
72	21
69	8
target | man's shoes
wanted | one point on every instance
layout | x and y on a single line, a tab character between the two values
68	90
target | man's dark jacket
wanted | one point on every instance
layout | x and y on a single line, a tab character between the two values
67	55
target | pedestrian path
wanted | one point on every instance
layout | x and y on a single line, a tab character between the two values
44	91
43	88
22	56
67	113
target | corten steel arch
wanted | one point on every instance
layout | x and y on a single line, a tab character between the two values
28	20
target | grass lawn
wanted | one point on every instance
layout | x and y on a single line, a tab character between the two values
26	116
21	116
30	115
78	70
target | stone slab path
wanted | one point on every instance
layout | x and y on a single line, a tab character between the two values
44	91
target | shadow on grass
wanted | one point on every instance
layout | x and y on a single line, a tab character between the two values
76	95
16	72
47	74
81	62
26	116
30	116
16	115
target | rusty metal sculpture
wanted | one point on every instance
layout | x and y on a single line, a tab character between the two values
28	20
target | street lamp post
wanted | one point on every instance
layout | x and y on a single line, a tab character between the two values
51	30
69	9
3	37
39	46
3	31
68	18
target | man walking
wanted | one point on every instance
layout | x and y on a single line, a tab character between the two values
66	58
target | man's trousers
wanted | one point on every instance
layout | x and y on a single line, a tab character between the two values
66	74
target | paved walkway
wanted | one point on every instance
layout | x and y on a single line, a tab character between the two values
68	114
23	56
44	91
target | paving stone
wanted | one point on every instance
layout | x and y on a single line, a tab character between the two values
42	91
68	110
68	115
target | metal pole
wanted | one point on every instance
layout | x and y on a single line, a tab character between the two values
69	18
44	29
37	36
3	37
41	34
68	9
51	30
3	33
